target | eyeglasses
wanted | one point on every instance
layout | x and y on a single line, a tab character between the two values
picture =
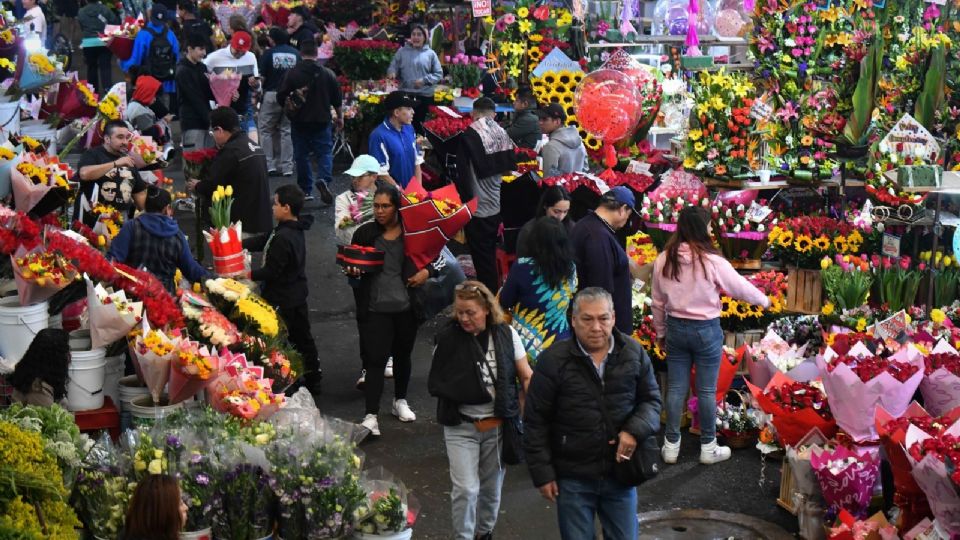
382	206
108	190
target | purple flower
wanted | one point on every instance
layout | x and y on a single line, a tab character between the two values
202	479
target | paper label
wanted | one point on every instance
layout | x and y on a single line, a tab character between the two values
482	8
891	245
892	327
761	109
636	167
449	111
556	60
758	213
909	138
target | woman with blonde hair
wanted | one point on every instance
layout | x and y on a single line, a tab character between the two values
479	375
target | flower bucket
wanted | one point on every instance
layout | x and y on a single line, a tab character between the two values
405	534
230	265
112	376
18	326
85	378
144	413
130	388
205	534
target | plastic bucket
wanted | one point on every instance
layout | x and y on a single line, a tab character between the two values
18	325
9	117
42	132
144	413
230	265
80	340
130	389
56	321
112	375
405	534
205	534
85	380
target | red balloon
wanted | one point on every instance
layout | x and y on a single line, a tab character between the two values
608	105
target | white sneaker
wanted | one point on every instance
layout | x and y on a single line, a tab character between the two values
388	371
670	451
370	422
362	381
402	411
713	453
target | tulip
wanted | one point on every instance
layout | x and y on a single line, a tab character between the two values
921	266
825	263
229	191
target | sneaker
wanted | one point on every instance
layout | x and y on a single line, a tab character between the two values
402	411
287	174
325	195
388	371
271	172
713	453
370	422
670	451
309	198
362	381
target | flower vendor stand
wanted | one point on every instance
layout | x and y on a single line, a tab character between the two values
804	291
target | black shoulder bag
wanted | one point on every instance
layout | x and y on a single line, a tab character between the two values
643	465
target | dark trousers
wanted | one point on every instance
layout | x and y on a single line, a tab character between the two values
297	320
383	335
98	60
482	233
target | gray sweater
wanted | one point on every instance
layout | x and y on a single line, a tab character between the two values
564	153
411	64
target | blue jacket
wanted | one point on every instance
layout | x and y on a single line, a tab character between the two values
396	151
141	47
161	250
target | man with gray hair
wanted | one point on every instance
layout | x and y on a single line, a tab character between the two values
592	401
486	153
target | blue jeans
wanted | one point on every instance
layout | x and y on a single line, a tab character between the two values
477	477
700	344
580	500
316	139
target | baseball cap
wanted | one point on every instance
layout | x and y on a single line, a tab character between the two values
241	41
553	110
398	99
363	164
621	195
160	14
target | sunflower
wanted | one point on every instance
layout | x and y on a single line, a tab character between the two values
774	234
743	310
592	143
785	239
554	97
535	54
855	237
728	306
822	243
549	79
577	77
571	111
565	77
566	99
803	243
756	311
840	244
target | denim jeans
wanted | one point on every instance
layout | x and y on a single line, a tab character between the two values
700	344
581	500
476	473
316	139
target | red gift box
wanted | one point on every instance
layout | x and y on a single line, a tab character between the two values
366	258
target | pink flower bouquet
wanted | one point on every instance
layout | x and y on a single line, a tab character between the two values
223	85
241	390
191	370
941	382
934	460
774	355
112	315
847	478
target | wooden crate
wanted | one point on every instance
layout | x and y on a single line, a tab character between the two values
785	500
747	264
804	291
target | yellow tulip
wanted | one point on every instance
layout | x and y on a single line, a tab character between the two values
220	191
216	196
825	263
229	191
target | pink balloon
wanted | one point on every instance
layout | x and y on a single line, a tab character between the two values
744	197
608	105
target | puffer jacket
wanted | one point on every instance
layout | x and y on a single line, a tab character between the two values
565	435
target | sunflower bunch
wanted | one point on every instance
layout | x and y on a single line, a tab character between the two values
560	87
89	96
109	108
805	240
41	64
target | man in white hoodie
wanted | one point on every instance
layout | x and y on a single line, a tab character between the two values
564	153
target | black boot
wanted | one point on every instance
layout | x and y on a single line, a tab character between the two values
488	536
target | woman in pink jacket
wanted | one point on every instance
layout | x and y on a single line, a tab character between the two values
688	278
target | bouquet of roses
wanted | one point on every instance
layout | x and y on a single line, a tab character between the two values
941	382
224	85
847	478
40	274
119	38
935	460
796	407
280	363
721	141
196	163
740	229
41	183
229	257
858	381
637	182
773	354
193	367
445	127
430	219
112	314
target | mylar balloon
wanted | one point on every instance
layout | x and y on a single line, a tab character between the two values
608	105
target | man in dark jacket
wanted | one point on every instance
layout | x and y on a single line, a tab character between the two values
241	164
190	24
194	95
274	65
312	127
154	241
525	129
284	277
600	377
300	28
601	260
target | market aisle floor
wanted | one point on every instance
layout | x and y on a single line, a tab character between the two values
415	452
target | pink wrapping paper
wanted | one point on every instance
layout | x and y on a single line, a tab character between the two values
762	368
107	324
941	389
183	386
26	194
854	402
223	85
932	477
849	488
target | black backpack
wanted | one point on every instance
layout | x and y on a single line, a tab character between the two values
161	62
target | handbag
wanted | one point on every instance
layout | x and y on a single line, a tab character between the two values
644	463
512	450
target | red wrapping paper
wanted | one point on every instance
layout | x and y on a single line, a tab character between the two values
70	104
425	229
728	370
121	47
791	426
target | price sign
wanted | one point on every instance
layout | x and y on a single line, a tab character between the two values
891	245
482	8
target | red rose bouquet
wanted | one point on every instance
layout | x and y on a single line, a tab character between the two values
941	384
430	219
119	38
796	408
444	127
935	460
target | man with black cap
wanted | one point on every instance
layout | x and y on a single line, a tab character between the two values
300	28
486	152
156	50
394	142
564	153
190	24
601	260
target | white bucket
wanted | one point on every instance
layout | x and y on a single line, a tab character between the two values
56	321
405	534
130	389
144	413
9	117
19	325
112	376
205	534
80	340
85	380
42	132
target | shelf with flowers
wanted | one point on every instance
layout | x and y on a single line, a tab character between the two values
741	229
515	28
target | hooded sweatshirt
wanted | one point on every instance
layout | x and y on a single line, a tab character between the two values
411	64
694	295
154	242
564	153
138	111
283	270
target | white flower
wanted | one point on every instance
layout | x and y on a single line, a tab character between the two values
155	467
761	228
737	228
